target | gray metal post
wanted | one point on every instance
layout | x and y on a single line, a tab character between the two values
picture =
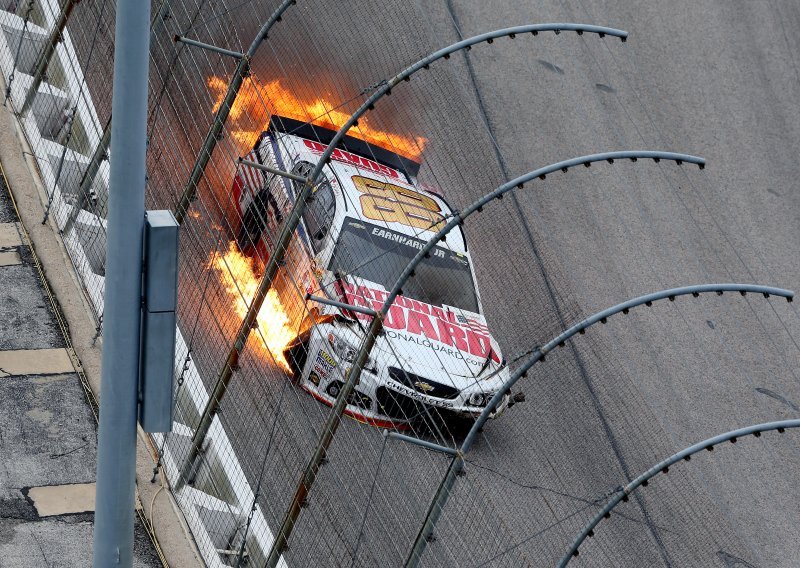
440	498
663	467
116	459
328	431
48	49
247	325
99	156
28	11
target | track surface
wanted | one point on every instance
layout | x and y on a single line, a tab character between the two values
716	79
719	80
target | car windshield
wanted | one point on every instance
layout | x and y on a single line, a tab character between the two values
379	255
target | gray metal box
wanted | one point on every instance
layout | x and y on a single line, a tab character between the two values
157	367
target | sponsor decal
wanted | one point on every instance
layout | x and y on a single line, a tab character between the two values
434	346
323	366
353	159
402	239
327	358
424	324
472	324
411	393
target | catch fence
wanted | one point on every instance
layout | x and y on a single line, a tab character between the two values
527	489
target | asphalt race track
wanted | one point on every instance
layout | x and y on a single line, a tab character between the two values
714	79
710	78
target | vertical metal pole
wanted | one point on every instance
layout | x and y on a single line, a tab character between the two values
435	511
331	425
19	48
116	460
248	323
210	142
46	54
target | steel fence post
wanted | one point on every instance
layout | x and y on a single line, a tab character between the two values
328	431
99	156
221	116
116	454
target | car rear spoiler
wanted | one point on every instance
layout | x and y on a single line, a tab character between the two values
323	135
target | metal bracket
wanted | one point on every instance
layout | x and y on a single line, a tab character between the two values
208	46
272	170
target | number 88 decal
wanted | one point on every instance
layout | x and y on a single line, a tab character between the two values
391	203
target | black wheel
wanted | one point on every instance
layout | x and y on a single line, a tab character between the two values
256	220
296	355
333	389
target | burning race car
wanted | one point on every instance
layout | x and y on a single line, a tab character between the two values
366	221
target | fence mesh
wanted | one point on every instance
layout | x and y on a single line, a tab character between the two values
591	419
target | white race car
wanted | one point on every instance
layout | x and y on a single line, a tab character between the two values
366	221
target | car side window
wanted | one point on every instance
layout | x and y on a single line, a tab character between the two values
319	212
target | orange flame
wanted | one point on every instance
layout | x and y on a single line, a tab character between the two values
277	99
238	276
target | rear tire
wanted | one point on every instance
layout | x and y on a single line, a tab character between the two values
296	355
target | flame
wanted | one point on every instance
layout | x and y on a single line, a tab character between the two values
237	274
253	98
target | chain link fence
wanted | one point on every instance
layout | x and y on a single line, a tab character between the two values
538	472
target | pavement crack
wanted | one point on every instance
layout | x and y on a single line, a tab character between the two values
39	544
73	450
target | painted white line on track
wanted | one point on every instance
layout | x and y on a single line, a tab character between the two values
53	500
35	362
9	258
9	235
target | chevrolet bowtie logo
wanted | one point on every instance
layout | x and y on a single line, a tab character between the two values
424	387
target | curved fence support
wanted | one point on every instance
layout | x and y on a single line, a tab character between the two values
337	411
241	72
456	466
663	467
293	220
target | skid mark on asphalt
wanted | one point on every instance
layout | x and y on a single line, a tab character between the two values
779	398
604	88
549	287
550	66
732	561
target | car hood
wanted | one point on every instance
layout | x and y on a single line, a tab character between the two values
436	342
